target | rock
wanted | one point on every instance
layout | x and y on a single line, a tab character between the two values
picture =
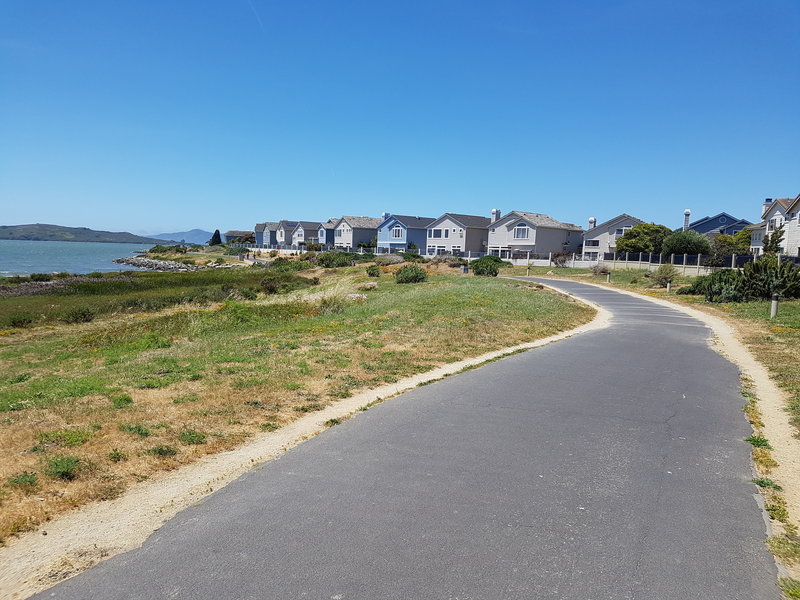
356	297
550	273
370	285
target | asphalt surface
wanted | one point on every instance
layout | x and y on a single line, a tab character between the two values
610	465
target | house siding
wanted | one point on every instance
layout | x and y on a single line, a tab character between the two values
469	239
606	236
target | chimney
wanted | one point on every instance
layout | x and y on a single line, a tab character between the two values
495	214
767	204
384	215
686	214
592	222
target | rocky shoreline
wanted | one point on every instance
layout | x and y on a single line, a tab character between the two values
166	266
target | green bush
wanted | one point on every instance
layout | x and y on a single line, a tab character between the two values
41	277
26	479
373	271
283	282
410	274
163	450
79	314
413	257
757	280
331	305
663	275
121	401
117	455
487	266
20	320
62	467
330	259
95	275
248	293
191	437
135	429
686	242
284	265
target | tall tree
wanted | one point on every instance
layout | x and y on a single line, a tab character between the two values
216	239
772	241
644	237
741	240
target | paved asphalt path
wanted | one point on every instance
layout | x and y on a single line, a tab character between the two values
607	466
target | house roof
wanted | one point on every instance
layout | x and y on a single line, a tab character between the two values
237	233
754	226
410	222
290	225
329	224
786	203
308	225
465	220
361	222
537	219
733	220
271	226
617	218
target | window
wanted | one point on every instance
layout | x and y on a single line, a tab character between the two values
461	233
397	232
434	233
521	232
591	243
280	234
446	233
622	230
723	220
590	256
338	233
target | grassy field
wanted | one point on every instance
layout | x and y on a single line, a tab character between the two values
87	409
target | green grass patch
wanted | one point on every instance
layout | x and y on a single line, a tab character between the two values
191	437
62	467
135	429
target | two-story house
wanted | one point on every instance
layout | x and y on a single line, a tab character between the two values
283	233
265	233
602	238
306	232
784	212
355	232
533	234
398	232
456	234
326	232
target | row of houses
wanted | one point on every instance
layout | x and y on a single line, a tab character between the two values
513	234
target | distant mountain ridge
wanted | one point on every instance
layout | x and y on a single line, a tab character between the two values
57	233
194	236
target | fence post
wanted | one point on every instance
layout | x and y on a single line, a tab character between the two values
614	261
684	263
549	259
733	261
573	260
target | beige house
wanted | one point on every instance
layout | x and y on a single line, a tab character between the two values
533	234
457	234
352	232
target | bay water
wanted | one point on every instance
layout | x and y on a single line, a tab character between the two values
23	257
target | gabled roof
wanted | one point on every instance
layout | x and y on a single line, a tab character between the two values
269	225
465	221
537	219
755	226
329	224
733	220
290	225
361	222
410	222
308	225
610	221
237	233
785	203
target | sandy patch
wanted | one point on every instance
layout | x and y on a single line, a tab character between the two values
73	543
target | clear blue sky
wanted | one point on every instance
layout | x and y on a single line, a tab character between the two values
152	116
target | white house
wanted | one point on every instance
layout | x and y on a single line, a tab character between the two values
283	234
533	234
783	212
602	238
757	232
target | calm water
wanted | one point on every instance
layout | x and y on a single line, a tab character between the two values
19	257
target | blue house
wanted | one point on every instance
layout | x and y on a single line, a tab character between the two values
265	233
721	223
396	232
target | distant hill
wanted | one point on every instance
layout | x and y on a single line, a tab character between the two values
195	236
57	233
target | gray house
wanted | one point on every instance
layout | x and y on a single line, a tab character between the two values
283	233
456	234
265	233
603	238
352	232
530	233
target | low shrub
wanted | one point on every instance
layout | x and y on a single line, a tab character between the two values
26	479
95	275
64	437
600	270
330	259
135	429
560	259
41	277
121	401
410	274
413	257
79	314
163	451
331	305
191	437
449	260
388	259
281	283
663	275
487	266
20	320
285	265
117	455
248	293
62	467
373	271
